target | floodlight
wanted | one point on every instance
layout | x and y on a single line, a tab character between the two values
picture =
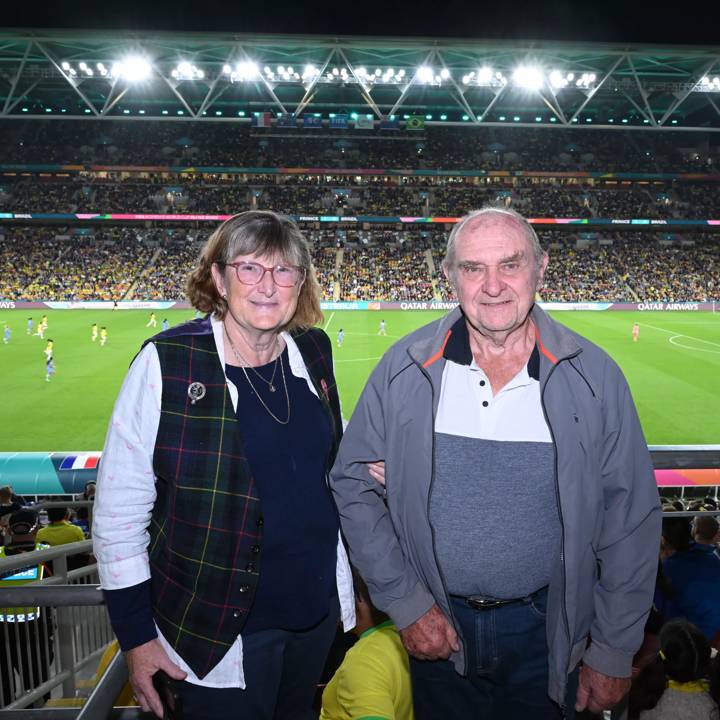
132	69
361	72
425	74
227	69
66	66
246	70
557	80
401	73
444	73
484	74
82	66
528	77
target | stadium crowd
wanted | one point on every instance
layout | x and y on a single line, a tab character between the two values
209	144
380	264
350	196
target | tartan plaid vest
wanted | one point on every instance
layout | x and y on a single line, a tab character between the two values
206	528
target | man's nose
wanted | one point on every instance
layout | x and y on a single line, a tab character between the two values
492	284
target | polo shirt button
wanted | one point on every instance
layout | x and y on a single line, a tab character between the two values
482	383
260	522
250	567
485	403
237	613
255	549
243	588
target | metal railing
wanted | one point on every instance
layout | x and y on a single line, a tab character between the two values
43	653
73	606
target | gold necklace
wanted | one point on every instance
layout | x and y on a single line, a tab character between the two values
244	362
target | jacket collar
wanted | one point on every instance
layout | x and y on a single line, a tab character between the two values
554	341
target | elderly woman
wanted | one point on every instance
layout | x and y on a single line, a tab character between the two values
215	532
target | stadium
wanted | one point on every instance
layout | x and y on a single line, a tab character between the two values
122	152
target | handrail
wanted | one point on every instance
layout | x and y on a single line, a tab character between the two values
20	560
51	595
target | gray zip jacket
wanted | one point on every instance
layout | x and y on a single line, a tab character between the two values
602	584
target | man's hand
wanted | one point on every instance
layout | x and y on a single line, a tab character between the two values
430	637
597	692
143	662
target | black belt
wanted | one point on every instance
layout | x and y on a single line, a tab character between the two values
479	602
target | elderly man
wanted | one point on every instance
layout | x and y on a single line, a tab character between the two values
499	601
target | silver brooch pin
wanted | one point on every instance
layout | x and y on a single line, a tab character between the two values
196	391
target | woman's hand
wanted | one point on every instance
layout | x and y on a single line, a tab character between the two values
377	471
143	662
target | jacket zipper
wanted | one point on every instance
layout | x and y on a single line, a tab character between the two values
563	706
432	529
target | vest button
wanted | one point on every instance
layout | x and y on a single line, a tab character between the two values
260	521
243	588
237	613
250	568
255	549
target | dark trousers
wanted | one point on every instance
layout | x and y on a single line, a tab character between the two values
282	670
507	663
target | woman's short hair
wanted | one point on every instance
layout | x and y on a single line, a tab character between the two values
260	232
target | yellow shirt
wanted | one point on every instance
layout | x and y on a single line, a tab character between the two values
60	533
373	682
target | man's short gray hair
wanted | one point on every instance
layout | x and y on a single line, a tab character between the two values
489	212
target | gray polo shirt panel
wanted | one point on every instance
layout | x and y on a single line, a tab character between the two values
493	506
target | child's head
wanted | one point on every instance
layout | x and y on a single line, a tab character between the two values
684	651
684	656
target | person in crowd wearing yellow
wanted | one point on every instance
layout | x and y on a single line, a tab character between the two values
60	531
373	682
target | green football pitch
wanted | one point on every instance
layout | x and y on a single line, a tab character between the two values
673	371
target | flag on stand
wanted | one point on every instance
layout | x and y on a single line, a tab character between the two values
339	122
286	120
261	119
312	122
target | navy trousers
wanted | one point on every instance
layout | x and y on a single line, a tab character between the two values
282	670
507	667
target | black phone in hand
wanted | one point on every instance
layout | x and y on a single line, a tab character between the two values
167	689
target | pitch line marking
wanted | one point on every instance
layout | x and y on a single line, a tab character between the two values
327	324
677	335
672	340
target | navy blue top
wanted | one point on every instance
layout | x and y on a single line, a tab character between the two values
289	465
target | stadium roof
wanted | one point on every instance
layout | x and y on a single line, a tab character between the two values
222	77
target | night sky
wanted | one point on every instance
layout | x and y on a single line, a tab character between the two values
626	21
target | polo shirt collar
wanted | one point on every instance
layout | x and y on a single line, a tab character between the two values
457	349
